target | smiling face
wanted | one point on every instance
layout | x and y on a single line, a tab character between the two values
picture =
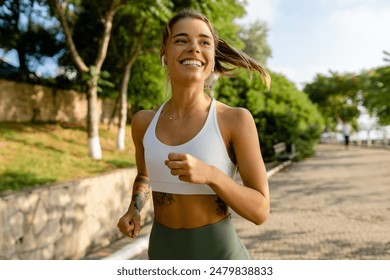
189	52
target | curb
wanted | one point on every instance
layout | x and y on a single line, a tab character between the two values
131	250
278	168
141	244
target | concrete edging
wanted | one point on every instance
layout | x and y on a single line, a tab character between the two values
131	250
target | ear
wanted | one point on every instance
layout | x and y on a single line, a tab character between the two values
163	61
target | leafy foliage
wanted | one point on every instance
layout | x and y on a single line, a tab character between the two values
255	39
137	24
148	86
27	27
337	96
103	79
282	114
376	96
340	95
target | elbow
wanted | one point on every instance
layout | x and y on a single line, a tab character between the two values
261	216
260	219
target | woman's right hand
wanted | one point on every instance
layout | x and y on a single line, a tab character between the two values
130	223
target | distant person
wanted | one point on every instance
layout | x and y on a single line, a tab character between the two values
346	132
188	151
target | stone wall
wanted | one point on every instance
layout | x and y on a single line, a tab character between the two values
65	220
21	102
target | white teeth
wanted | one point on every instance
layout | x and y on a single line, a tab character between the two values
192	63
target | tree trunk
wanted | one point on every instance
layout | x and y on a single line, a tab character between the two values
21	48
95	150
111	120
120	140
23	71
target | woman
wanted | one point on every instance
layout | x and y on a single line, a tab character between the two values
188	151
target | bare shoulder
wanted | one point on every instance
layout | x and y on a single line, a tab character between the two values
233	116
142	118
140	122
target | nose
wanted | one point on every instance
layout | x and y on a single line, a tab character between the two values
193	47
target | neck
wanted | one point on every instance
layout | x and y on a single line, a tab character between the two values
186	102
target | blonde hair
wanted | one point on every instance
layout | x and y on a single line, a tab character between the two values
225	54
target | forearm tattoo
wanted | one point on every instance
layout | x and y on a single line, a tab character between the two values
222	207
141	192
162	199
141	180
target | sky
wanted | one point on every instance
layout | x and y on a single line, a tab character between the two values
317	36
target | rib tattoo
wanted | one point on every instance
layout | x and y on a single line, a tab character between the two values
222	207
162	199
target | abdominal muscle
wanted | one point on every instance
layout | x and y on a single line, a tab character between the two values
188	211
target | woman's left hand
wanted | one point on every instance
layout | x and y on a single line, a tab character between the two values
188	168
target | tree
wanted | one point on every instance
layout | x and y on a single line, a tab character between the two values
282	114
135	24
337	96
27	27
255	39
290	116
376	94
148	87
90	65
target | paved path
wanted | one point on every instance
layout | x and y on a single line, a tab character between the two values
335	205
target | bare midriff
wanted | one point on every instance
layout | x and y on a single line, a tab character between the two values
188	211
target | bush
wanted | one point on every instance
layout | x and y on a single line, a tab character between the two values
282	114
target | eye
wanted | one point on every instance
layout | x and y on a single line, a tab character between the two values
180	41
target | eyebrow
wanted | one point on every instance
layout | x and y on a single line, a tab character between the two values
186	35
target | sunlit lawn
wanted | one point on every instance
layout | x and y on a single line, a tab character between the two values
36	154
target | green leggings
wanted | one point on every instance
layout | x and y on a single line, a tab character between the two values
217	241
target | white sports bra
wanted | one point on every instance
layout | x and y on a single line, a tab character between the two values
207	146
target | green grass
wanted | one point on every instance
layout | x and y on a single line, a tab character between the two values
37	154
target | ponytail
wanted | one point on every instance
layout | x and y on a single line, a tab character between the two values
226	54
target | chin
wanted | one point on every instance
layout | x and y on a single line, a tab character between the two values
193	78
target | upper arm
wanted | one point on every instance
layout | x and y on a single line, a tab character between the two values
245	144
139	125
